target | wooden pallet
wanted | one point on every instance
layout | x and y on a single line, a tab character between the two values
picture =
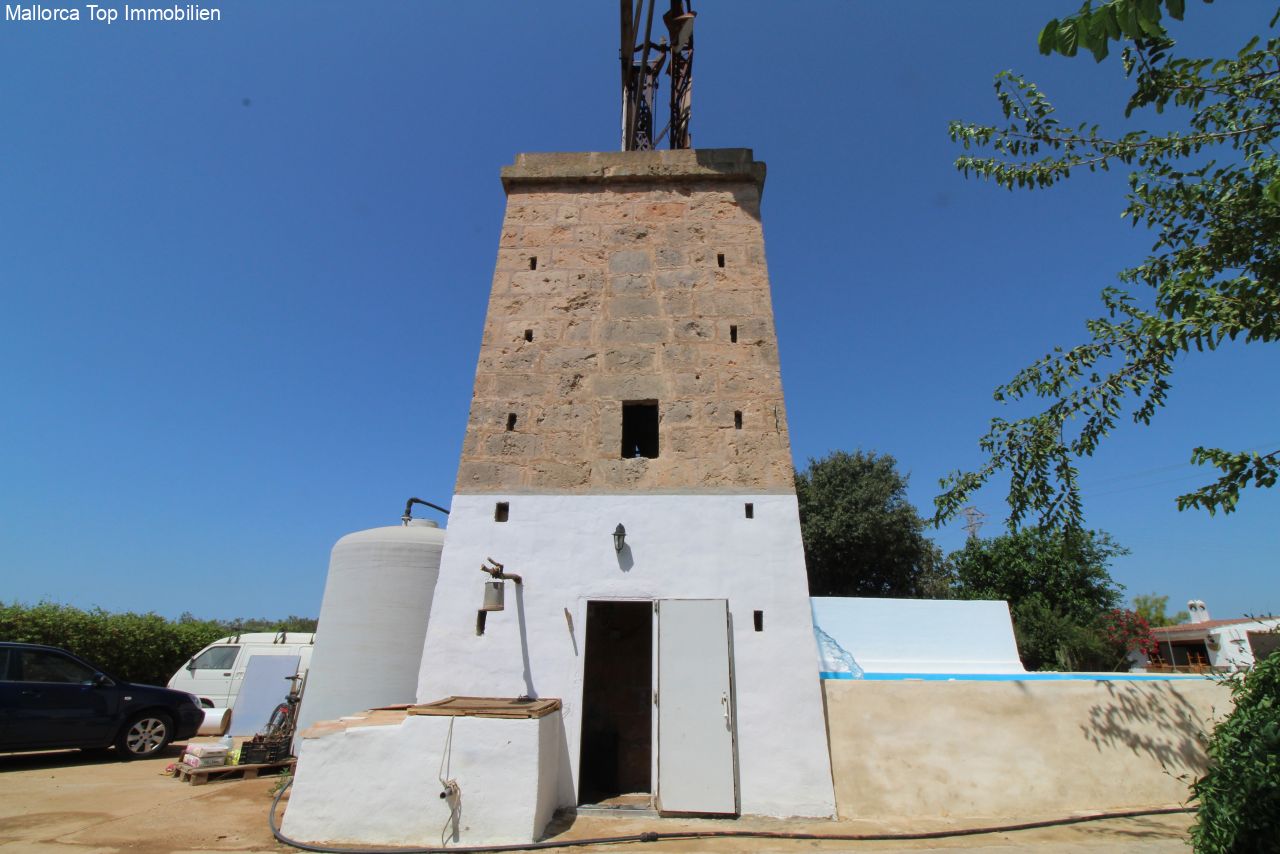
488	707
200	776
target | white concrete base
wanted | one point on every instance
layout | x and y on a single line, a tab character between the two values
678	547
381	785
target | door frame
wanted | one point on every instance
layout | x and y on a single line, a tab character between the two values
584	603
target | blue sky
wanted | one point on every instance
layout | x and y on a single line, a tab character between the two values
244	268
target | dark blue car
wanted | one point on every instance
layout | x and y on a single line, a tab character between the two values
49	699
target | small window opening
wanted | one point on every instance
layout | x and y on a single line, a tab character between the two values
480	616
639	429
750	509
758	618
528	335
733	335
533	262
501	511
737	420
720	259
511	421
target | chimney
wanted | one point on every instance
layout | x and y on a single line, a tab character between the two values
1198	611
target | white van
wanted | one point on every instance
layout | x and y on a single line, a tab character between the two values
214	674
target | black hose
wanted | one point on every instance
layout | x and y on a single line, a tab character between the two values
408	508
717	834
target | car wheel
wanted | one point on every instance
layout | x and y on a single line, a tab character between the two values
145	735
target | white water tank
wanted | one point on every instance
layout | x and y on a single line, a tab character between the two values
373	620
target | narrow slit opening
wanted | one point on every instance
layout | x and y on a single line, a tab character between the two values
750	510
528	335
737	420
511	421
733	335
720	259
533	262
501	511
757	617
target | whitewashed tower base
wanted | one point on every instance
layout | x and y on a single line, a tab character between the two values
636	281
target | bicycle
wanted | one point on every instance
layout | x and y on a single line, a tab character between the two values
284	720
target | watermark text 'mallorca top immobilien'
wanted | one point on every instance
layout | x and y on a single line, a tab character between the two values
35	12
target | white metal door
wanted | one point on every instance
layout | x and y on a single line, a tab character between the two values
695	708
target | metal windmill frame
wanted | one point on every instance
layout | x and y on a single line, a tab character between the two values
643	60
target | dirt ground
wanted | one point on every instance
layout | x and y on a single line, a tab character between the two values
76	803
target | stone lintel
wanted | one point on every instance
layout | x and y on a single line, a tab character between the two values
660	166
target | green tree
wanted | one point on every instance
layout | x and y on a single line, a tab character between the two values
1152	609
1058	587
292	623
862	537
1208	190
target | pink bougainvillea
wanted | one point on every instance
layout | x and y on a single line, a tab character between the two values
1128	630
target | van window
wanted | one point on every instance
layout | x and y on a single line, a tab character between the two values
216	658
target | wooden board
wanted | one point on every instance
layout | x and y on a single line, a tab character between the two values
488	707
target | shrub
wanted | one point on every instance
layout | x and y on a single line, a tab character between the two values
134	647
1124	631
1239	796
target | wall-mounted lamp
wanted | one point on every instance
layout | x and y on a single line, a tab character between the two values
619	537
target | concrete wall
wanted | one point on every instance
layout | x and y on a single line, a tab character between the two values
678	547
921	635
1015	749
380	785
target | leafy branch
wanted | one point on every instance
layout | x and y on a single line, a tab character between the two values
1213	274
1116	20
1239	470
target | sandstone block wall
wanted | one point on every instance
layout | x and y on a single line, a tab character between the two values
636	276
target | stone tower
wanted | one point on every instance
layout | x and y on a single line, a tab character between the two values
628	378
626	278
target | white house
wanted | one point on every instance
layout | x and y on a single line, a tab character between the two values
1206	644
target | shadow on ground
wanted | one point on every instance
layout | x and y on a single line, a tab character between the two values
72	758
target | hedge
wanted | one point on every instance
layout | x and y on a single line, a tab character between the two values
135	647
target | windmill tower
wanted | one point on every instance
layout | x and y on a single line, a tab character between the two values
628	384
624	541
